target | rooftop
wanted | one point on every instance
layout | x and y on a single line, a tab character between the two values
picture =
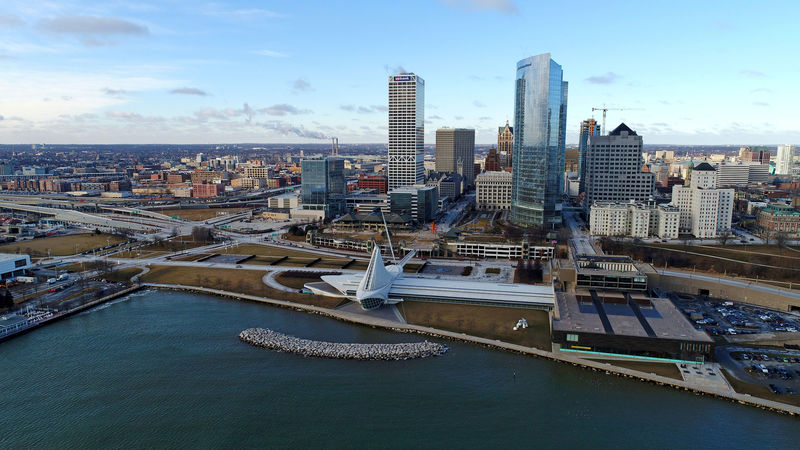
665	320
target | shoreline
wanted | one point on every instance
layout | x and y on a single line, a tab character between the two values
744	399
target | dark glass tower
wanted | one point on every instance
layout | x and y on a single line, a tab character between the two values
589	127
540	116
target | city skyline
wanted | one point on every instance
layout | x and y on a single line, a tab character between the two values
241	71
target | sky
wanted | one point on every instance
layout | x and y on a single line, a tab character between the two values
195	72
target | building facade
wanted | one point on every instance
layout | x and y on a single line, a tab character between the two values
540	115
492	161
493	190
613	169
634	220
589	127
779	219
784	160
505	144
761	156
455	152
324	187
406	130
705	210
420	202
377	182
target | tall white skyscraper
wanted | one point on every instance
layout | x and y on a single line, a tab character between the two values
406	130
784	160
705	210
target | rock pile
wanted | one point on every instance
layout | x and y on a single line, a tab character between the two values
262	337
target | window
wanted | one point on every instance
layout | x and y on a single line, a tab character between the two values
572	338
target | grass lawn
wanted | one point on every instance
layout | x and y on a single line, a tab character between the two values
61	245
757	390
122	274
199	213
293	238
759	254
192	257
664	369
133	254
484	321
265	250
235	280
175	244
493	271
299	280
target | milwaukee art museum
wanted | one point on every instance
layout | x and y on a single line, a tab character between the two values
383	285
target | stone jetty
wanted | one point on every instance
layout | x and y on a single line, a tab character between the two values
262	337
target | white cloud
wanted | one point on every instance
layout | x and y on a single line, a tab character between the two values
271	53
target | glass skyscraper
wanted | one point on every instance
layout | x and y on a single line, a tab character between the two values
323	185
540	116
589	127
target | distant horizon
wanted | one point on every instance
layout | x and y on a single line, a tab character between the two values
250	71
345	145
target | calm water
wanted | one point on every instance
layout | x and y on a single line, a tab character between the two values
165	369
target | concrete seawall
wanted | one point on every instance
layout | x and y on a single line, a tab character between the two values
744	399
264	338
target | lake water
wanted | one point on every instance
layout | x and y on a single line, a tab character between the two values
165	369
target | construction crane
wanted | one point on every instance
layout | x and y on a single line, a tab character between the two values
605	110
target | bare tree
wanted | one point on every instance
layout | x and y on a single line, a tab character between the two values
780	240
724	237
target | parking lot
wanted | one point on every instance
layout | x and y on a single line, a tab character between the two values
779	370
721	317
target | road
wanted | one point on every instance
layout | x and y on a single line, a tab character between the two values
581	243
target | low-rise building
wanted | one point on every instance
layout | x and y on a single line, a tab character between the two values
634	220
493	190
779	219
288	200
420	202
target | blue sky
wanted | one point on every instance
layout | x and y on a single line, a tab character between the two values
173	71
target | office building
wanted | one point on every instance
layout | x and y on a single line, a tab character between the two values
634	220
741	173
258	172
377	182
449	185
455	152
420	202
779	219
406	130
493	190
324	187
589	127
505	144
492	161
540	115
614	168
761	156
705	210
784	160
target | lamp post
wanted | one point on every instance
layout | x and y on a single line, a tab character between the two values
375	213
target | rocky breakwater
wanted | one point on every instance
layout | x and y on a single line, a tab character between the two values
262	337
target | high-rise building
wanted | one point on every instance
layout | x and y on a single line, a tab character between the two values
614	169
540	115
406	130
505	144
589	127
705	210
492	161
784	160
324	187
455	152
